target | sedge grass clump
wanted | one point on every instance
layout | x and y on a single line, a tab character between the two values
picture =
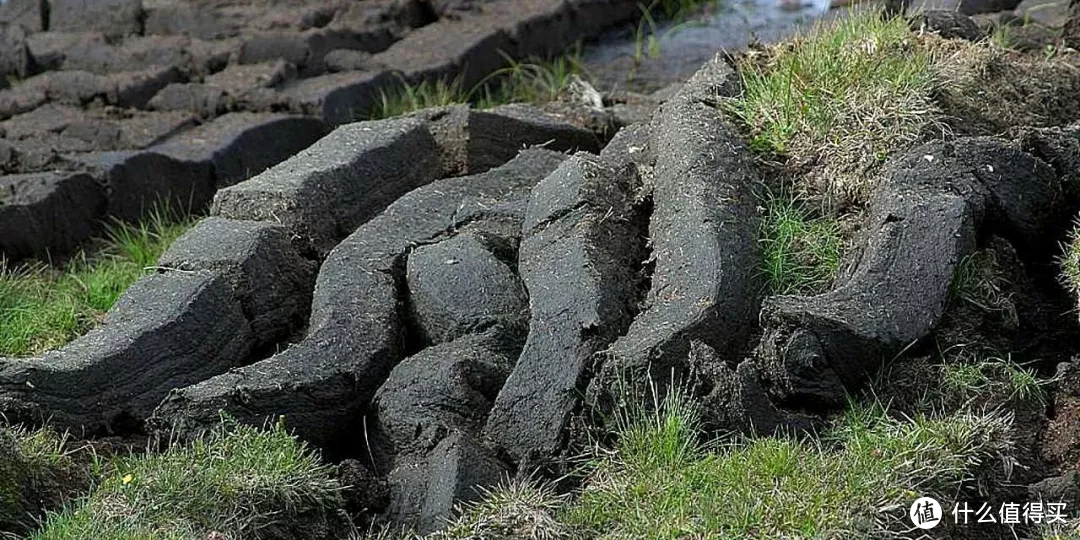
407	98
1069	262
43	307
801	247
844	97
241	482
534	81
659	481
993	380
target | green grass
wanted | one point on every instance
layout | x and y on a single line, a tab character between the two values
42	307
42	448
516	509
992	377
1069	261
858	480
663	478
36	469
660	481
533	81
849	93
408	98
1003	36
240	483
801	248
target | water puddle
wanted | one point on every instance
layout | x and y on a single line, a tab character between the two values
652	55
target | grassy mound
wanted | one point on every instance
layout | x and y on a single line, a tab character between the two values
841	98
660	481
827	109
37	471
232	484
42	307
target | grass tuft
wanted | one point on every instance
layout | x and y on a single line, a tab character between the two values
42	308
1070	261
857	481
848	94
408	98
240	483
1000	378
516	509
533	81
801	248
1003	36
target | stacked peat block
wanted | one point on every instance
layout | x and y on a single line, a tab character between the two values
166	101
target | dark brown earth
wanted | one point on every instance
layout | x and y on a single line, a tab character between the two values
202	94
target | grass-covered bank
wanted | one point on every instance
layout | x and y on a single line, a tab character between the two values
827	109
237	482
234	483
846	95
43	307
665	478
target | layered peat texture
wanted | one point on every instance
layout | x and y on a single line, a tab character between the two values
164	102
238	287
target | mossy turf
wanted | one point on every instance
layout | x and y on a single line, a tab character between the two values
36	470
235	483
43	307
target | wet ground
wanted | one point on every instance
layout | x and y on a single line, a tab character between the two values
649	56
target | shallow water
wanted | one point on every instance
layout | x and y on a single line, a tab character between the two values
681	48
